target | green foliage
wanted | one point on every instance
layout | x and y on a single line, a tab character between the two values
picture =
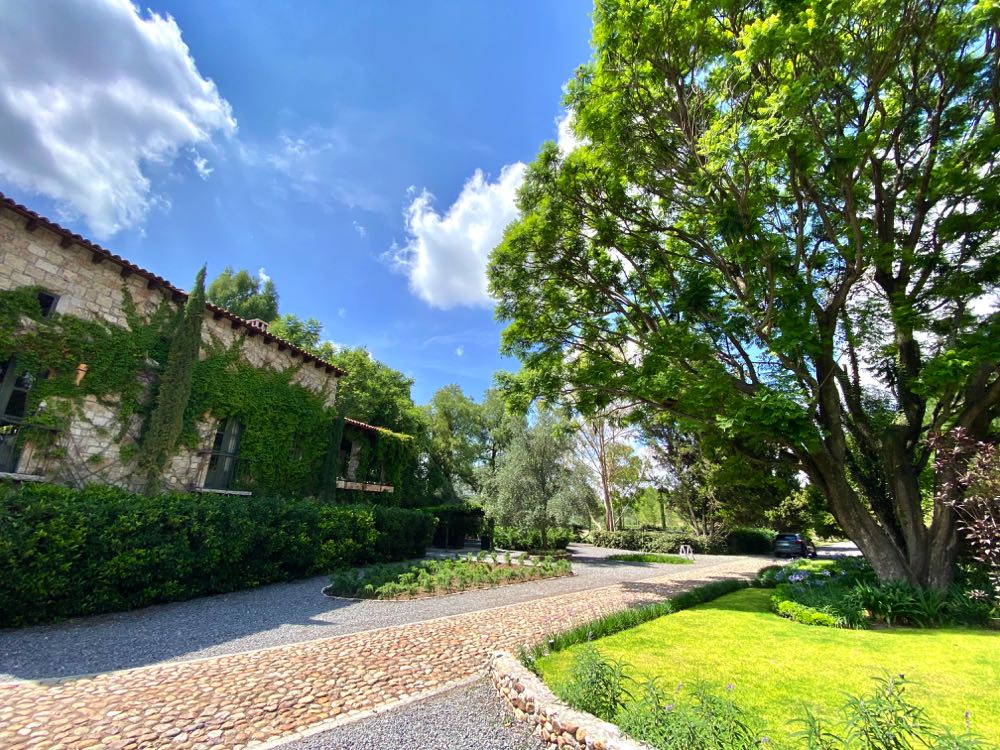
245	295
846	593
692	719
536	485
746	541
648	557
805	615
166	421
655	541
431	577
883	719
456	521
115	356
773	204
80	552
530	540
595	685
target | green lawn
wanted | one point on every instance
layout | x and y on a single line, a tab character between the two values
652	557
777	665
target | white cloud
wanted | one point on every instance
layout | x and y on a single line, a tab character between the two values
262	275
361	230
459	351
90	92
341	312
316	164
445	255
566	139
201	167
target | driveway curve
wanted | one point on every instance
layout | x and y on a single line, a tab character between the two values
273	615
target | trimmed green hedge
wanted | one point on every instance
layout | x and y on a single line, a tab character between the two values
69	552
507	537
750	541
456	521
655	541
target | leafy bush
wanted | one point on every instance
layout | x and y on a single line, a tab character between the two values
692	720
848	592
508	537
595	685
403	534
74	552
440	576
883	720
749	541
456	521
702	719
655	541
805	615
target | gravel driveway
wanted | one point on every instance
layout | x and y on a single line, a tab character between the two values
271	616
463	718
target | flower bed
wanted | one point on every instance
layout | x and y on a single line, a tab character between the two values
437	577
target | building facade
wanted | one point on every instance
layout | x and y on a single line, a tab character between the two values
97	443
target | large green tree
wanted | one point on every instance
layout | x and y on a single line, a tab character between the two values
782	225
250	297
538	484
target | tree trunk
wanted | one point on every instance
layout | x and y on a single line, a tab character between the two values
924	557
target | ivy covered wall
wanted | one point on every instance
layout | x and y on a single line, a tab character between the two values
292	433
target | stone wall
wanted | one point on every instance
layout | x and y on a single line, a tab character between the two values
31	255
555	723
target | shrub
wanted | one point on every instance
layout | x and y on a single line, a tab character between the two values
71	552
529	540
692	720
848	591
403	534
437	576
883	720
805	615
655	541
456	521
749	541
595	685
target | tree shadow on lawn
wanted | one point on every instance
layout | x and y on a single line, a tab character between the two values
163	632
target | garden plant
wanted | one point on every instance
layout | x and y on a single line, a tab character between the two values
435	577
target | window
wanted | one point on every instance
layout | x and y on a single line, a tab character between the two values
14	387
47	301
345	459
224	455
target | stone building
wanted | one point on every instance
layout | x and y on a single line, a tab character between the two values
77	277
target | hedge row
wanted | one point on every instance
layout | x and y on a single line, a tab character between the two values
743	541
508	537
456	521
654	541
69	552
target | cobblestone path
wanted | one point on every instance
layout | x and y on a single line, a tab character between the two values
238	700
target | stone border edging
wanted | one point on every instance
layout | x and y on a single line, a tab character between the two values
554	722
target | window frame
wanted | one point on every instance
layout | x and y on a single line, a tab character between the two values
228	437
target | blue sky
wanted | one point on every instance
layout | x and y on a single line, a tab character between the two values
364	154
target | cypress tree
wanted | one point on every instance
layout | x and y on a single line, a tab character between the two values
167	418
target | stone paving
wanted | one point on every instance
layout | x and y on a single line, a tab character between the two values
238	700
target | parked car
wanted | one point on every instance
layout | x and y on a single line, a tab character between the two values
793	545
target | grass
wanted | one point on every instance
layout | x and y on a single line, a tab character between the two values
776	667
436	577
650	557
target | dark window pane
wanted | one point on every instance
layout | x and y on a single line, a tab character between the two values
47	302
17	405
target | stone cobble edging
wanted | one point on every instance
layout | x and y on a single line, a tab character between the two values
555	723
238	700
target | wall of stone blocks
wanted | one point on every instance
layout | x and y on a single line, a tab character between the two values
89	450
